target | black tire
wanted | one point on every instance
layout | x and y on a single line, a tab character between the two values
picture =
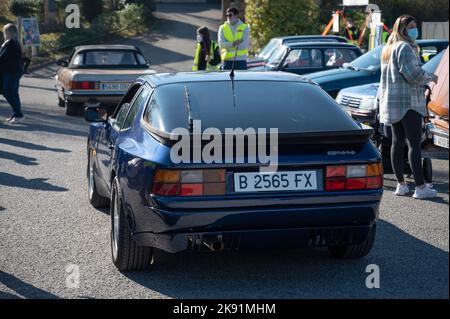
126	254
61	102
355	251
95	198
73	109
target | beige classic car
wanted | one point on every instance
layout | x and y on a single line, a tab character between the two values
98	74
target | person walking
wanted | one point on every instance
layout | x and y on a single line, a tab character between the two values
234	41
11	71
207	55
403	103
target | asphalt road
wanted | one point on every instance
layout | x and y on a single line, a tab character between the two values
47	224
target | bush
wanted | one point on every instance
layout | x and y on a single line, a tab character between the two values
91	9
26	8
268	19
135	17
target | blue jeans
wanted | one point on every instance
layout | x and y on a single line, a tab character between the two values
11	92
239	65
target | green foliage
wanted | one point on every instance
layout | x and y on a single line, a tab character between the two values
271	18
135	17
26	8
91	9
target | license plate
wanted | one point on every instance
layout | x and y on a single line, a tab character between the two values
122	86
279	181
440	141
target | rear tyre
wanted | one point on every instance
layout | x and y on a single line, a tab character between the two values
427	170
73	109
95	198
126	254
61	102
355	251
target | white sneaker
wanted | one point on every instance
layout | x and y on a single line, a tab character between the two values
16	120
402	190
425	192
9	119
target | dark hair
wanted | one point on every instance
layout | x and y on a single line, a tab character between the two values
233	10
204	31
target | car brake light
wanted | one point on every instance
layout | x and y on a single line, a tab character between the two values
354	177
189	182
82	85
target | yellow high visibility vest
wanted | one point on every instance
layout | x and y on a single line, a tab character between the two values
212	49
230	37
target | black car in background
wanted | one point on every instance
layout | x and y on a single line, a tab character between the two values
309	57
274	43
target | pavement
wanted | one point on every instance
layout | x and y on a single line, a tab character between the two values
48	228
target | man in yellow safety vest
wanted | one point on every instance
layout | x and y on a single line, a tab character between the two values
234	41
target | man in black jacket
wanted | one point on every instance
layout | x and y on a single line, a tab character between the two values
11	71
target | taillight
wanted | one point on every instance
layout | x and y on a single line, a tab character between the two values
82	85
189	182
354	177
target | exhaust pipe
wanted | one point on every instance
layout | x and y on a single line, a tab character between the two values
215	244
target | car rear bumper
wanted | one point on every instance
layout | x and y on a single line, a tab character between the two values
434	132
110	98
252	227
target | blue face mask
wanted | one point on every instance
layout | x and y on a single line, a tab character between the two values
413	34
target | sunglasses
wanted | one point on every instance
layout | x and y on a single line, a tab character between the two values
229	15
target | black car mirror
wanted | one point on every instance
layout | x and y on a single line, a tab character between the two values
95	114
62	62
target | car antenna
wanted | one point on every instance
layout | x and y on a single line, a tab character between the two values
232	77
189	110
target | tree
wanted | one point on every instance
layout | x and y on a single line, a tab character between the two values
91	9
272	18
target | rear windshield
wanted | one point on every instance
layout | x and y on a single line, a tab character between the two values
105	58
292	107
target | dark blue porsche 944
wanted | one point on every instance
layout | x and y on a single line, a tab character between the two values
205	161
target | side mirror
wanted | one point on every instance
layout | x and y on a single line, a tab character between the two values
62	62
96	114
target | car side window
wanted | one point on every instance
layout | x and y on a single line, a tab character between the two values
304	58
337	57
120	117
135	106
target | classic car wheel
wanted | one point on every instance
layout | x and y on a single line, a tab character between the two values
126	254
94	198
355	251
73	109
61	102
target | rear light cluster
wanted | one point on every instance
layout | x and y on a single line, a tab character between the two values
189	182
82	85
354	177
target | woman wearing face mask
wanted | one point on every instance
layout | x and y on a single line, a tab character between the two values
403	103
207	55
11	71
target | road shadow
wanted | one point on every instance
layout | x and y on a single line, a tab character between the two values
22	288
58	128
11	180
19	159
2	208
409	268
31	146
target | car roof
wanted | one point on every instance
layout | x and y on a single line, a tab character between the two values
159	79
106	47
320	44
432	41
305	37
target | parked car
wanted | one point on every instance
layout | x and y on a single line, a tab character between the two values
266	52
308	57
157	203
98	74
364	70
437	129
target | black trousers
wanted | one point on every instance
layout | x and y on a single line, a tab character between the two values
409	130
